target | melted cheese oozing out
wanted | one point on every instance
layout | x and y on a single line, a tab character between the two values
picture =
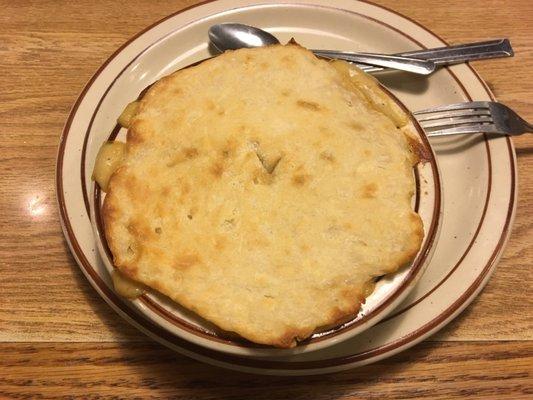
127	115
369	288
109	158
126	287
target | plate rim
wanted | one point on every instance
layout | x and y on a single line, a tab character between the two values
428	328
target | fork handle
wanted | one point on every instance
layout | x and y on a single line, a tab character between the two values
458	53
465	52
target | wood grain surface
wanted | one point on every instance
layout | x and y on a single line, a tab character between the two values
58	339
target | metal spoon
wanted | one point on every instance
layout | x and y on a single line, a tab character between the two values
235	36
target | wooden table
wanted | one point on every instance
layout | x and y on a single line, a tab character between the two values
59	339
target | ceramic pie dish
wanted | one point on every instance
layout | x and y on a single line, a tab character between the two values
389	292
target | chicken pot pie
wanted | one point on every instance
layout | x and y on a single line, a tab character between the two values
264	189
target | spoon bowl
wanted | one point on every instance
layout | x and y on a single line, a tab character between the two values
236	36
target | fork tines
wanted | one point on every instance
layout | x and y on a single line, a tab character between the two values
472	117
465	117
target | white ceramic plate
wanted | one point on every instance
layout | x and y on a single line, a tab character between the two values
478	175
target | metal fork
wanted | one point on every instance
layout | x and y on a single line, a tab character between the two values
472	117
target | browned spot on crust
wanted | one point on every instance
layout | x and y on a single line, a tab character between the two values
262	177
135	186
186	260
165	191
327	156
220	243
133	137
420	153
229	148
355	126
338	317
352	300
304	247
249	58
109	212
292	336
217	169
264	65
210	105
221	112
300	179
367	152
139	229
369	191
285	93
190	152
309	105
352	295
347	225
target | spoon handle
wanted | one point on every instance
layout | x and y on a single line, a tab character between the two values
409	64
450	54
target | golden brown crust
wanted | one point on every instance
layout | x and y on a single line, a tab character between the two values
420	152
244	202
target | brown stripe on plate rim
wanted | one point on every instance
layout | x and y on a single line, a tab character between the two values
112	299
